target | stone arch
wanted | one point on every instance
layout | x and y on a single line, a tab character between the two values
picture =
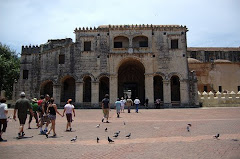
121	42
102	75
87	74
140	41
87	88
131	78
158	87
68	88
46	87
175	74
103	87
175	88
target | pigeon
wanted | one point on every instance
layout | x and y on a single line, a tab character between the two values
97	139
74	139
190	125
116	135
118	132
128	135
106	130
98	126
110	140
124	123
188	128
217	136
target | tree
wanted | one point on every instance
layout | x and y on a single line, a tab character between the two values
9	69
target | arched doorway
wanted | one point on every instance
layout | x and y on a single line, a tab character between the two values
175	89
158	87
47	88
131	80
68	89
87	89
103	87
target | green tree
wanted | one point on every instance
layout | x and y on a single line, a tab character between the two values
9	69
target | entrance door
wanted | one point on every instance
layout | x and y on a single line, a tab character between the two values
130	90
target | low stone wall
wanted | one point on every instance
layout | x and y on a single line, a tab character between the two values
230	99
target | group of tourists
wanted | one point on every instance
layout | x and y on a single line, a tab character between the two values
119	106
43	110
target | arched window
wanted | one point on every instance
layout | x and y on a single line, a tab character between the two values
140	41
68	89
121	42
103	87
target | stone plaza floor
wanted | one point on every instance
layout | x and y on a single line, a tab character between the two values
155	134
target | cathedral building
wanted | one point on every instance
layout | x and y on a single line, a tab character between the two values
144	61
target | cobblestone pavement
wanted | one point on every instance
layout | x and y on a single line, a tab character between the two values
155	133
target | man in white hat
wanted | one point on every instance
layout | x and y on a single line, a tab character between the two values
22	105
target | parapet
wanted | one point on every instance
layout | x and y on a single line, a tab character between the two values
31	49
131	27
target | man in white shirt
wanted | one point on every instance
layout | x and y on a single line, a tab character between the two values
3	117
69	108
136	102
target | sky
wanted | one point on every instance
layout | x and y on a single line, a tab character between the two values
211	23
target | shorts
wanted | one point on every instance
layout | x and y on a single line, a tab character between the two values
106	113
45	118
69	117
4	123
22	121
52	117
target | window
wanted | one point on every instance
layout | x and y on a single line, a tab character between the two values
117	44
25	74
61	59
205	88
143	44
87	46
220	88
174	44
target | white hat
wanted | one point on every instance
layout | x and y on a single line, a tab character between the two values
22	94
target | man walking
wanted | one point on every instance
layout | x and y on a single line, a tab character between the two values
105	108
3	117
136	102
22	106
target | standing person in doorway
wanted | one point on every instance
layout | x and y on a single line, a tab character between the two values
129	103
118	107
136	102
22	106
105	108
146	103
69	109
52	110
3	117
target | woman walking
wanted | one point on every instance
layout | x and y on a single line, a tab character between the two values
118	106
52	110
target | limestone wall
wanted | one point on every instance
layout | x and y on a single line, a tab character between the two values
229	99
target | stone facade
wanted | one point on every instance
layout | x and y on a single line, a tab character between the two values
145	61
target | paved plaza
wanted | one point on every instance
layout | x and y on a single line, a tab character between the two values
155	134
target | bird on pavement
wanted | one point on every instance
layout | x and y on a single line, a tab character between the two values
216	136
106	130
188	128
128	135
190	125
97	139
118	132
74	139
116	135
124	123
98	126
110	140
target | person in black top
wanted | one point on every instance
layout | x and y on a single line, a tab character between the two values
52	110
105	108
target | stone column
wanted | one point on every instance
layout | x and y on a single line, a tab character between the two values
167	93
113	84
184	92
149	91
79	93
95	94
57	94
